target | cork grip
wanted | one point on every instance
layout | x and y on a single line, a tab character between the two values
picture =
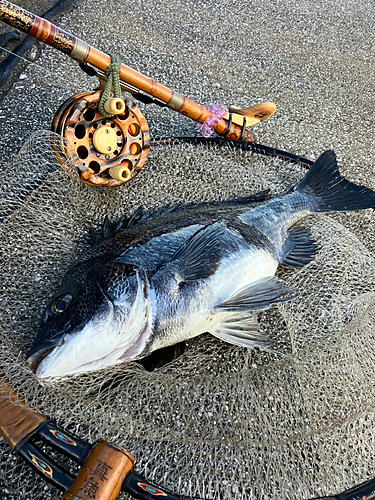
102	474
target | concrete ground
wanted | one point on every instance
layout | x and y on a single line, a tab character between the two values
313	59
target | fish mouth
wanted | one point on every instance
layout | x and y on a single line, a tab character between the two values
64	355
40	351
96	343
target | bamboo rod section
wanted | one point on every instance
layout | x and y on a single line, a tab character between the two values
48	33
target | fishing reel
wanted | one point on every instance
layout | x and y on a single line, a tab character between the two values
107	151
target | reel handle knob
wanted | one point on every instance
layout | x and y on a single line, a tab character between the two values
120	173
114	106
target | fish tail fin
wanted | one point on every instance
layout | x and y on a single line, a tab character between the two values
331	191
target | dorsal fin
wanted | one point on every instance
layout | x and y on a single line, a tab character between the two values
110	229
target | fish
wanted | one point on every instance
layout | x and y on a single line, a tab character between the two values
160	278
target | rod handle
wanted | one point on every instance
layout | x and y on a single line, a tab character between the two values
102	474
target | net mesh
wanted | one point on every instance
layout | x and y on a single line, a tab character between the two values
219	422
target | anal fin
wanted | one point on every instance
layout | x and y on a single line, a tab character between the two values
241	329
299	249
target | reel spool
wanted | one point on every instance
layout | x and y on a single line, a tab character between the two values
107	151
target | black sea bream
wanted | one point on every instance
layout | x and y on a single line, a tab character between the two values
168	277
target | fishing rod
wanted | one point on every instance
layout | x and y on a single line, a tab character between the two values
107	132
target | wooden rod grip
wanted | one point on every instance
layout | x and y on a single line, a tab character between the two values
102	475
16	420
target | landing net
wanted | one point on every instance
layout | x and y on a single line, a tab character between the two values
219	422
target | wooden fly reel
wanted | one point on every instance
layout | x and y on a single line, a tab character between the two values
106	151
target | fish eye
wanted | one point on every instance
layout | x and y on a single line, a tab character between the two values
61	304
130	271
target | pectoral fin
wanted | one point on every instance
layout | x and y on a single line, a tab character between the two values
259	295
199	257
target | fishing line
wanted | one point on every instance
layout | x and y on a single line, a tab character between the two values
37	65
